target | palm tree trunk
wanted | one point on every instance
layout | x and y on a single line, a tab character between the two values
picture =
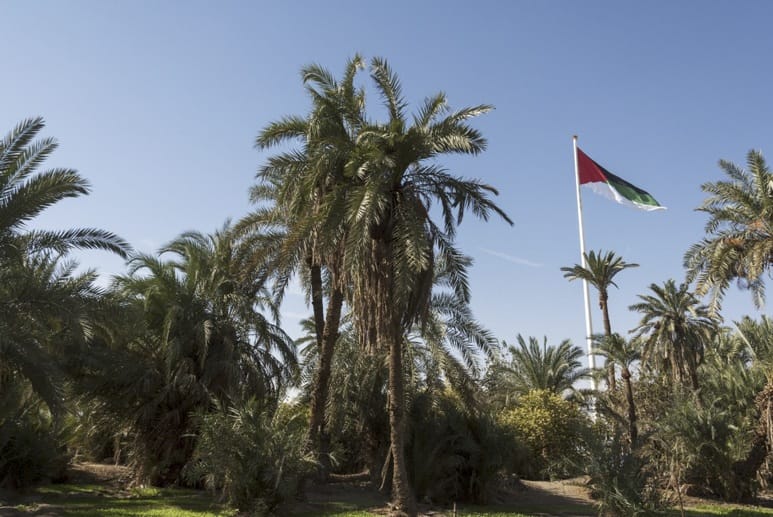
632	428
402	497
603	303
318	436
316	299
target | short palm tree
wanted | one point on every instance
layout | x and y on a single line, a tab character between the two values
541	367
739	241
198	341
624	353
674	329
600	271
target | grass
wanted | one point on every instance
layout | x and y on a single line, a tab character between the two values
71	500
729	510
93	500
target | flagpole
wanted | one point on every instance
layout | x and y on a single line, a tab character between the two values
585	291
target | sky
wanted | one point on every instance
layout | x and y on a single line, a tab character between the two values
158	104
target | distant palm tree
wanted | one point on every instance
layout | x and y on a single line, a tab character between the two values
622	352
739	241
541	367
674	329
600	272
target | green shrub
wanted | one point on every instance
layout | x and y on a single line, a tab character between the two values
622	483
253	459
552	429
455	454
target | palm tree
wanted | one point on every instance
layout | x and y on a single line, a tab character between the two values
392	240
25	193
675	327
600	271
197	340
623	352
758	336
540	367
39	290
311	233
739	241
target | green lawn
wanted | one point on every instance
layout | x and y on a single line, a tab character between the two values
94	501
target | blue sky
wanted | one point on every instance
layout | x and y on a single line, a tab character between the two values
157	104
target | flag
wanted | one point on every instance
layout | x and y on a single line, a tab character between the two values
603	182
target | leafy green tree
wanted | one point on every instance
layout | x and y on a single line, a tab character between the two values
552	428
674	330
600	272
739	233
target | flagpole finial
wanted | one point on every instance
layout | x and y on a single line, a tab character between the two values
574	137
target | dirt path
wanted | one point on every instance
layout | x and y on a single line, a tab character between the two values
554	493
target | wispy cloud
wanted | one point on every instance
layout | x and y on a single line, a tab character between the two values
511	258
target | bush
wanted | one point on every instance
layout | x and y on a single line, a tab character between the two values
253	459
621	481
30	448
455	454
552	429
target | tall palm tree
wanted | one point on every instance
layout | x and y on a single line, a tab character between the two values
675	327
600	272
623	352
392	240
540	367
739	241
311	233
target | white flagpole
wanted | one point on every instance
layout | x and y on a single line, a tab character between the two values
586	294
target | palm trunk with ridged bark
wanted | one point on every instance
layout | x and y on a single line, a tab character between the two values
604	305
388	322
317	431
632	427
402	495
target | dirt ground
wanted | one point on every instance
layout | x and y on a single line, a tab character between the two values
566	498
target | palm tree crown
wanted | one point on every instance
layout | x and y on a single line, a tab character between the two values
675	328
739	244
534	367
600	270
